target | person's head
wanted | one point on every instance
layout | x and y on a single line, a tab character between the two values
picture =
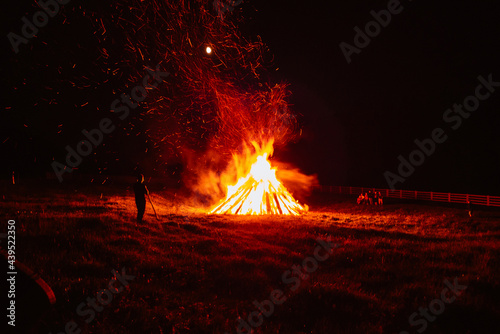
140	178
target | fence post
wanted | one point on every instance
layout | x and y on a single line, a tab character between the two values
387	193
401	193
449	197
431	196
415	194
488	200
467	197
350	190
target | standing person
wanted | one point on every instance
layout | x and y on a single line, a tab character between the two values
361	198
140	191
470	208
380	198
370	197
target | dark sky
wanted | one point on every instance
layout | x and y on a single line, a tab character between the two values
356	118
359	117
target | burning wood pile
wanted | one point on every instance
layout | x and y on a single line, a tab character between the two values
259	193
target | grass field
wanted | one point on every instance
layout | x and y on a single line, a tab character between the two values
196	273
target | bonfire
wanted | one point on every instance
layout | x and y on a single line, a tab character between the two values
259	192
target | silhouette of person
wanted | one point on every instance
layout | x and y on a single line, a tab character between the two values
370	197
380	199
140	191
470	208
361	199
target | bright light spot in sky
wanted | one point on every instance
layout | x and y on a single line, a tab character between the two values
208	50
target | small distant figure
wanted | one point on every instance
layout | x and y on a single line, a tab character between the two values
470	208
380	198
366	199
375	198
370	197
140	191
361	199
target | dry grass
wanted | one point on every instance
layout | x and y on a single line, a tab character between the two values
197	273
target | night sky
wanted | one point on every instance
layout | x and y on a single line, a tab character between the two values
359	117
356	118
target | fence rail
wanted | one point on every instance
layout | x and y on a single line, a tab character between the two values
417	195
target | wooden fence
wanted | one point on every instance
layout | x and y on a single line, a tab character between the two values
417	195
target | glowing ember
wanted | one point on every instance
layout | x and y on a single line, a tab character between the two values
259	193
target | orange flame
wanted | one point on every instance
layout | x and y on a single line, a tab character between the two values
259	192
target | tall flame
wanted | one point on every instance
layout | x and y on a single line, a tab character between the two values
259	193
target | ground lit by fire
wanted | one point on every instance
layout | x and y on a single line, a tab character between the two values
198	273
